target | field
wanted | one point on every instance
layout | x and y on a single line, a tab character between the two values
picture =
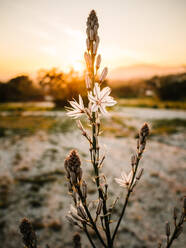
34	144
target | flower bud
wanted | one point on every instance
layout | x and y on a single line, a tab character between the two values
81	212
98	61
175	213
103	74
88	60
100	205
144	132
70	187
97	39
140	174
88	81
95	28
88	44
73	177
84	190
80	174
167	229
71	221
133	160
88	31
95	47
91	34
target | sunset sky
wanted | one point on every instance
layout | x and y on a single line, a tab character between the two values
37	34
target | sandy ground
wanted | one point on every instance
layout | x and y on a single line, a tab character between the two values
33	185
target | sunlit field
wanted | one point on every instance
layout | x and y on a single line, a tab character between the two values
33	145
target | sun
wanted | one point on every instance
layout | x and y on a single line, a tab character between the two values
78	66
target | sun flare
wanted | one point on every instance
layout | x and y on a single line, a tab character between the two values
78	66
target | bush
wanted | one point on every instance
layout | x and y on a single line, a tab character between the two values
172	87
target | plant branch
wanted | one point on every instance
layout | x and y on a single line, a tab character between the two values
126	200
89	216
88	235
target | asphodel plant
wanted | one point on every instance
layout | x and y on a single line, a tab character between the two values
100	218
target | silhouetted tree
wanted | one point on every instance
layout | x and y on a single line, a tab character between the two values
20	88
61	86
171	87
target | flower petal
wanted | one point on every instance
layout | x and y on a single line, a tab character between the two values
103	110
97	90
91	98
120	182
81	102
105	92
94	107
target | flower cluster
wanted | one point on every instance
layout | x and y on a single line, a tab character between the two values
98	98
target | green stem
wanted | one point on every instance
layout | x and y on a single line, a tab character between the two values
96	170
126	201
95	160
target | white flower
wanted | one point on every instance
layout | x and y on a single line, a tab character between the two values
77	109
101	99
125	180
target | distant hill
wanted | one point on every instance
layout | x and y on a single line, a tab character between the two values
144	71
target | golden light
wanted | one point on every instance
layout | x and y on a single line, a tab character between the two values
78	66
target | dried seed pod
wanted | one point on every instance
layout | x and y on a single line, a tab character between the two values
71	220
73	178
133	160
73	213
175	213
77	240
144	132
80	174
84	189
140	174
103	74
81	212
74	197
70	189
167	229
73	163
99	208
29	236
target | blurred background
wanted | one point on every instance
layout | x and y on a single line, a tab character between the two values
143	44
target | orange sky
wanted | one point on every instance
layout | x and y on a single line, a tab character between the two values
43	34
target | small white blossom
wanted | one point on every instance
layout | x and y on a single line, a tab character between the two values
77	109
101	99
125	180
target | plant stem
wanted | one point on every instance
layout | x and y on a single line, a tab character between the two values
126	201
88	235
95	159
89	216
